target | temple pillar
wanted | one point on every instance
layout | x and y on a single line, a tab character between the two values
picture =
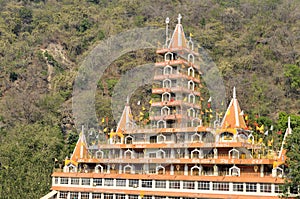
186	170
262	170
172	169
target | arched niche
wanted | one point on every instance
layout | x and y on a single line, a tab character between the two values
191	58
129	139
234	171
191	72
191	98
191	85
191	112
166	97
234	154
129	154
160	170
168	70
226	137
128	169
196	170
196	137
161	124
99	154
196	153
196	122
98	168
161	138
165	111
167	83
169	56
161	153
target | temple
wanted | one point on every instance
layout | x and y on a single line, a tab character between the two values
177	155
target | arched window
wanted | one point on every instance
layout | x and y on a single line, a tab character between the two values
234	171
168	70
196	170
196	137
160	170
128	139
196	122
191	112
165	111
169	56
191	98
98	168
167	83
161	124
191	72
161	138
99	154
234	153
166	97
195	153
128	169
191	58
161	153
191	85
129	154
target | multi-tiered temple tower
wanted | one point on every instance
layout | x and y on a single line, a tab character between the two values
177	156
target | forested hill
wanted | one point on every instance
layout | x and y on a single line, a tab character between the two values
255	44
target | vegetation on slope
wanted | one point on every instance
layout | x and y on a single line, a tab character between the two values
254	43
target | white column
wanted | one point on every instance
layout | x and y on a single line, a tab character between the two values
262	170
120	168
68	197
121	153
186	170
108	168
172	169
230	187
102	196
215	153
186	154
273	188
172	153
257	188
79	195
90	195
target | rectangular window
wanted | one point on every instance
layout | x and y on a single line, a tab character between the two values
147	183
108	182
238	187
266	188
221	186
64	180
55	180
85	195
152	155
97	182
75	181
174	197
174	184
96	196
203	185
133	197
160	184
278	188
108	196
133	183
188	185
63	195
251	187
160	197
147	197
120	196
121	183
85	181
74	194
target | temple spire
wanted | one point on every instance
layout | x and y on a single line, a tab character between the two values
179	18
234	115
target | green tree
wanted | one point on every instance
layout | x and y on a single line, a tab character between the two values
293	147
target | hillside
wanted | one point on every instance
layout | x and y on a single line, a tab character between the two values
255	45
